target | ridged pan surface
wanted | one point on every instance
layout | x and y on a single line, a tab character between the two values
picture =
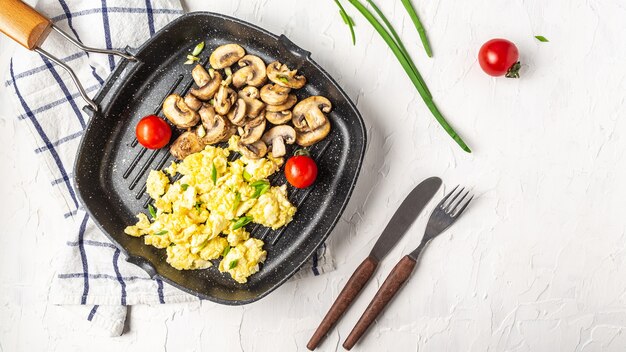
111	168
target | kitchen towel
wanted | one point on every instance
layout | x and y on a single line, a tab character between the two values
92	273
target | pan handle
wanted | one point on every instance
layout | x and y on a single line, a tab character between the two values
23	24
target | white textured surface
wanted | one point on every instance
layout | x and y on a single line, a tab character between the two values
537	262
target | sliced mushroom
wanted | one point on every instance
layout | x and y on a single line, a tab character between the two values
192	102
178	112
308	137
310	111
252	72
200	75
224	99
291	101
186	144
278	117
208	90
252	130
237	114
273	94
255	150
215	126
283	76
226	55
232	129
254	106
276	138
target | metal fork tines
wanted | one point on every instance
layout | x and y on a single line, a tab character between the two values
445	214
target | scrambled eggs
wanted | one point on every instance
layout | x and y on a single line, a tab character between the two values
202	216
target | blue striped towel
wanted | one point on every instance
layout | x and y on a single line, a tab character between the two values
90	273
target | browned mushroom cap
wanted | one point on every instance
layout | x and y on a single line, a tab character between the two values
192	102
226	55
310	112
291	101
232	130
278	117
224	99
254	106
214	127
276	138
252	72
179	114
255	150
273	94
186	144
308	137
206	91
281	75
252	130
237	114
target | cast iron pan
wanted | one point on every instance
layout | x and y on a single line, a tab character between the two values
111	168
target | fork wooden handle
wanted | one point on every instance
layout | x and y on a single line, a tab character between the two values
23	23
352	289
386	292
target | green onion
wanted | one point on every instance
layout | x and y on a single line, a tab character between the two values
192	58
418	25
246	175
198	49
184	186
241	222
198	205
237	201
161	233
213	173
542	38
233	264
260	188
283	79
347	20
188	62
152	211
201	247
226	250
408	68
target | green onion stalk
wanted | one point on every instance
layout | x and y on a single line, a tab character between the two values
407	64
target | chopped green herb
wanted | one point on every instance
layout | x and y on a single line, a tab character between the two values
193	58
241	222
188	62
198	205
226	250
347	20
203	244
184	186
213	173
237	201
152	211
542	38
260	188
233	264
161	233
246	175
283	79
198	49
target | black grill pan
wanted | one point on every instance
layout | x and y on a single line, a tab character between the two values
111	168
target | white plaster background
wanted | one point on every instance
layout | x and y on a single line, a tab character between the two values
535	264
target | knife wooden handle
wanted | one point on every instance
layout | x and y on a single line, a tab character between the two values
23	23
387	291
353	287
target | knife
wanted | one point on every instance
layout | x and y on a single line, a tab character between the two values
400	222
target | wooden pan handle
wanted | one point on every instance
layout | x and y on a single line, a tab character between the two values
23	23
387	291
352	289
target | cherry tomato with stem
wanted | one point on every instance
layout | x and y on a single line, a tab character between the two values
301	169
499	57
153	132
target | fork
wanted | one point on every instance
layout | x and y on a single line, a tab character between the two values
444	215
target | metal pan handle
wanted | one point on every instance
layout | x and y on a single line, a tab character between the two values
30	29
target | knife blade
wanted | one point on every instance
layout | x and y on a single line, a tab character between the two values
400	222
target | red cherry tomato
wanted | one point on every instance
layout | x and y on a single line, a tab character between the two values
301	171
153	132
499	57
